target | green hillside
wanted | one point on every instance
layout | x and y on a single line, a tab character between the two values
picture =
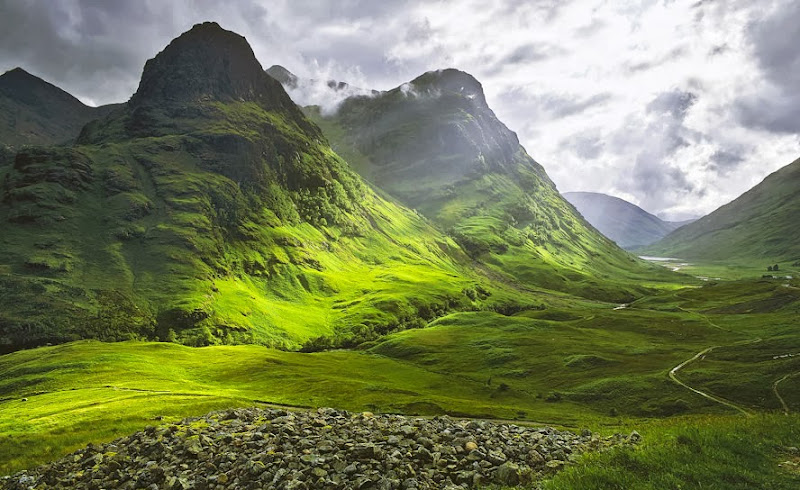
572	363
760	226
34	112
435	145
627	224
208	209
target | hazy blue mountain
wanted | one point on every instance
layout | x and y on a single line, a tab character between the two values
627	224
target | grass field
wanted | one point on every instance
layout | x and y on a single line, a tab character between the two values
571	363
724	453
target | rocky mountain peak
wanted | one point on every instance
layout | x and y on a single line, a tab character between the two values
206	63
450	81
15	74
281	74
20	85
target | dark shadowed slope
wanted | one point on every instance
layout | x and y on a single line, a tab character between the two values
210	209
627	224
34	112
435	145
763	223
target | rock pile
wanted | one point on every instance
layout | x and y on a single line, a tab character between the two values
320	449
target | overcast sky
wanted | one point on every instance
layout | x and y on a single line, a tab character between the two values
678	106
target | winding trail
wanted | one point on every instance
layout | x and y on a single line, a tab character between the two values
673	376
777	393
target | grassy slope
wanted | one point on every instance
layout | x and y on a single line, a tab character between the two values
758	227
444	153
722	453
627	224
573	363
144	235
215	221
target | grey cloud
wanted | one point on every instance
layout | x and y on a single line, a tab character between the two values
561	106
675	103
529	53
776	112
591	28
653	178
673	55
526	54
724	160
717	50
529	109
419	31
588	145
546	10
775	45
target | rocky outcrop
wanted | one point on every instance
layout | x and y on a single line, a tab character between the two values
321	449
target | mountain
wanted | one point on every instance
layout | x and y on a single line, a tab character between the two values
761	224
436	146
35	112
286	78
627	224
209	209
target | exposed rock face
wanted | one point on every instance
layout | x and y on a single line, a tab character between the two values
434	131
282	75
321	449
207	62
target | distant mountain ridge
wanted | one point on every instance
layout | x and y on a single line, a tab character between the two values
630	226
35	112
761	224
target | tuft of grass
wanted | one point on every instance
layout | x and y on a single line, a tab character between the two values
697	452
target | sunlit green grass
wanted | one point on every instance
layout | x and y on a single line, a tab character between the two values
572	362
722	453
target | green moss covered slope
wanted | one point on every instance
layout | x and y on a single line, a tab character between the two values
435	145
208	209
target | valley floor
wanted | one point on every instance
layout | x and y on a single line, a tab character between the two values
709	376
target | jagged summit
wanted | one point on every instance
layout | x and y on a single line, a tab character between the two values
15	73
26	88
207	63
284	76
451	81
36	112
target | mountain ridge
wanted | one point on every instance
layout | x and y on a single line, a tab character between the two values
628	225
218	215
37	112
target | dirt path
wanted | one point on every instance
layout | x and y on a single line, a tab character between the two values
777	393
673	376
